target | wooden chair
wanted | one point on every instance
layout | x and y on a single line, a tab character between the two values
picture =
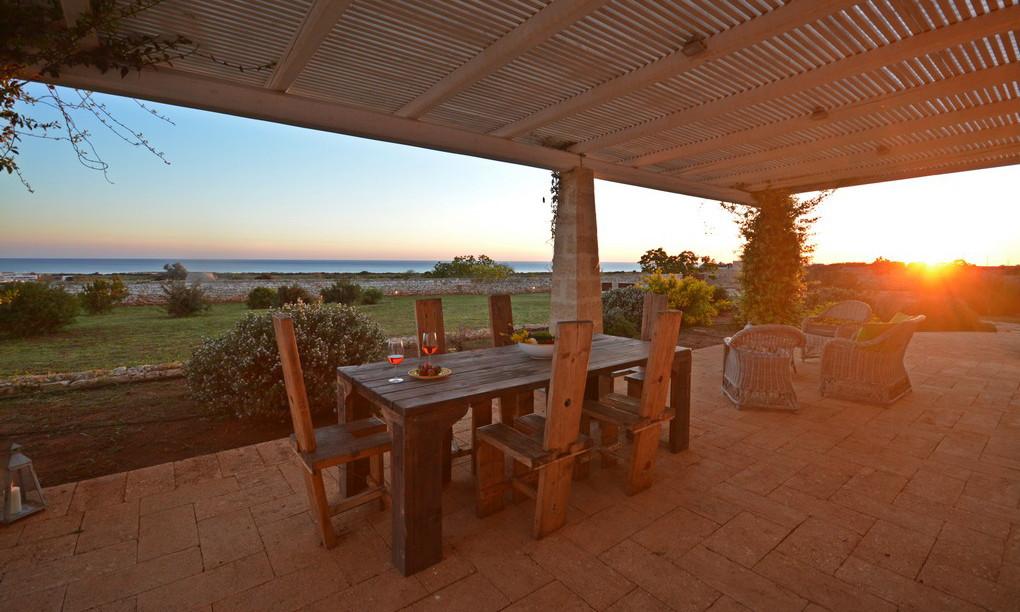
428	317
330	446
501	324
653	304
642	417
543	461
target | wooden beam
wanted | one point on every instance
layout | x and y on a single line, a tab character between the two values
173	86
536	30
802	153
996	22
1006	155
318	23
844	166
738	37
979	79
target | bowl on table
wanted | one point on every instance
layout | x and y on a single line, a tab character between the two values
537	351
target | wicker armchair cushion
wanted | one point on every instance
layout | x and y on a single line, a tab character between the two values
870	331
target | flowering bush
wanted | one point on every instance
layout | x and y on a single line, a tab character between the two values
240	372
691	295
622	311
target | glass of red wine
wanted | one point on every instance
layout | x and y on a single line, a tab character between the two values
395	356
429	344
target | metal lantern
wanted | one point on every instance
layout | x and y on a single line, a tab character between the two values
22	494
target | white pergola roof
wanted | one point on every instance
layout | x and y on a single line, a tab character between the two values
713	98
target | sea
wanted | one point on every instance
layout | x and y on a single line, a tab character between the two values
129	265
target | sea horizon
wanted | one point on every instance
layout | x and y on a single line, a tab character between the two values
129	265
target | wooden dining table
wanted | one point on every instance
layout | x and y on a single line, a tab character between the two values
420	414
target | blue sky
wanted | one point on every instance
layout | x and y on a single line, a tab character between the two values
243	188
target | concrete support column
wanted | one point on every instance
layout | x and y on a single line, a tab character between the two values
576	277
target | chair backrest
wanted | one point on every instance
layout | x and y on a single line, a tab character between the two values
851	310
768	337
294	380
566	384
654	303
660	363
501	319
428	316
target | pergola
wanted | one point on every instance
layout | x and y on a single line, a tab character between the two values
712	98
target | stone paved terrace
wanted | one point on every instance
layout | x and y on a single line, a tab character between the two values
841	506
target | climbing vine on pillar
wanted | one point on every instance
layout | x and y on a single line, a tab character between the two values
554	204
775	255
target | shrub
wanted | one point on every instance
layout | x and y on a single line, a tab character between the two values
615	322
240	371
100	296
175	271
341	292
31	309
292	294
183	300
372	295
689	294
621	311
260	298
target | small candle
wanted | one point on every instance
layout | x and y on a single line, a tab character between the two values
14	501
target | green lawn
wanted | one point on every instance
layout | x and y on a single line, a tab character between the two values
133	335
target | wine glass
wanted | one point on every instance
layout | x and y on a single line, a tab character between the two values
395	356
429	344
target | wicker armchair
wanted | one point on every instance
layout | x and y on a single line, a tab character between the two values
821	328
871	370
757	366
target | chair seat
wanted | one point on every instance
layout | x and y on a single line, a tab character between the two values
523	442
531	424
524	447
621	410
345	442
636	375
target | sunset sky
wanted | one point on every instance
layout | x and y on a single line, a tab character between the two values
240	188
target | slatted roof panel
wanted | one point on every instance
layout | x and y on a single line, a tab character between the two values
238	33
713	97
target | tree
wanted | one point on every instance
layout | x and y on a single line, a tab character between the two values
775	254
686	263
482	267
175	271
37	43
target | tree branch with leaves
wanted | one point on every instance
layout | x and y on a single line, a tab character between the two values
37	44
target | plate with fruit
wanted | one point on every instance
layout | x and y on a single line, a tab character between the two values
430	371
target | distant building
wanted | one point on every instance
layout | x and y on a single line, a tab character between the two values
17	277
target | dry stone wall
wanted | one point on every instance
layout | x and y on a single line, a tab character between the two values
150	292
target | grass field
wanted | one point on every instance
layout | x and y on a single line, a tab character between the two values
133	335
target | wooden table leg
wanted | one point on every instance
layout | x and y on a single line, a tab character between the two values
417	489
680	401
352	407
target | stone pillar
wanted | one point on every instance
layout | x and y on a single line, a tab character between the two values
576	277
